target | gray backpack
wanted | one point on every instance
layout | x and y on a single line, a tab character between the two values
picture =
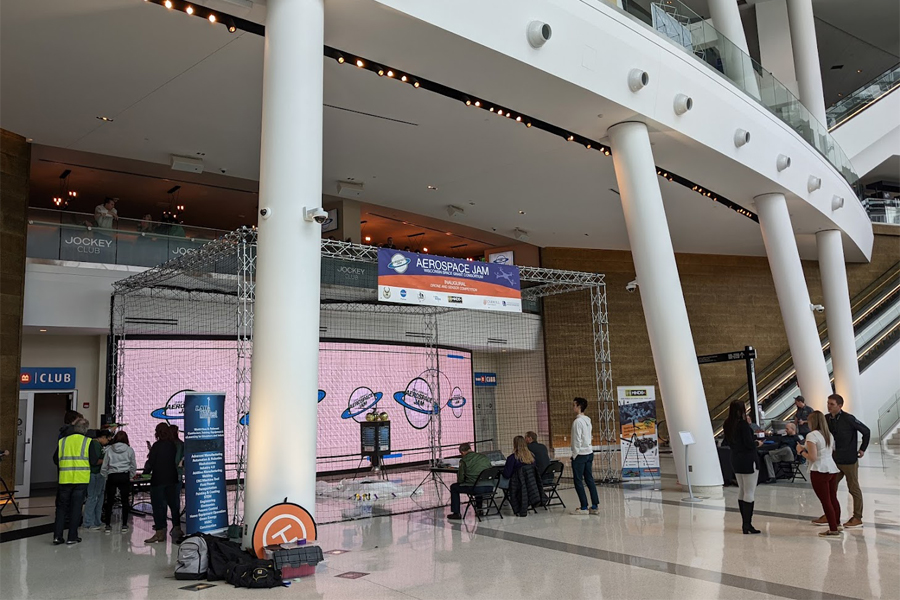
193	559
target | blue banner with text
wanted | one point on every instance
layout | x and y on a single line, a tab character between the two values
206	504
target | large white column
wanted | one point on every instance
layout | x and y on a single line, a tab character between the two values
806	57
283	395
839	317
793	299
726	19
671	340
775	51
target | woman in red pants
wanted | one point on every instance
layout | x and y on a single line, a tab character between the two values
822	471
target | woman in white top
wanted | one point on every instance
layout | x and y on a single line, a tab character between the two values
822	471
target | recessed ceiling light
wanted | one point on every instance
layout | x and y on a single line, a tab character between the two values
43	330
432	188
424	249
521	212
859	70
105	119
368	239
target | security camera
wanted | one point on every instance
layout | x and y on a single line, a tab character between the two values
265	213
631	286
817	308
316	214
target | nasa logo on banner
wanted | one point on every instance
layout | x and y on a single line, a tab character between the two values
282	523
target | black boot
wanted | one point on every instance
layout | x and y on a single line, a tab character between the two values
748	518
741	505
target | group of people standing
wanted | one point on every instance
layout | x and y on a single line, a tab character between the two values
831	448
96	464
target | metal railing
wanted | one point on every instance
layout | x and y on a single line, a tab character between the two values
856	102
888	416
63	235
682	26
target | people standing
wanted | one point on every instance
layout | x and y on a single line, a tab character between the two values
93	507
179	454
844	428
119	467
823	471
541	456
739	437
74	456
802	415
105	214
165	490
583	459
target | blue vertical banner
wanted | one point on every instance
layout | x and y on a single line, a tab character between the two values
206	504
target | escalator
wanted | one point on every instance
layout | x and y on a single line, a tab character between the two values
876	323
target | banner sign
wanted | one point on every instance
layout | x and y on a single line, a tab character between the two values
485	379
706	359
44	378
410	278
206	505
639	442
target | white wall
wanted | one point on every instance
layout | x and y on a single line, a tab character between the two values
878	384
86	353
873	135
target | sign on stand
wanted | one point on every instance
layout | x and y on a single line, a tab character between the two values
410	278
638	437
206	504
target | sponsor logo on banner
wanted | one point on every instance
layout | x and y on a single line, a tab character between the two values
403	293
454	299
399	263
386	293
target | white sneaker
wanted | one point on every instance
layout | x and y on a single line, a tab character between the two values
580	511
95	528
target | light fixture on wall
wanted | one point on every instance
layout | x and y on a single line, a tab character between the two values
637	79
837	202
741	137
538	33
813	183
520	234
682	104
782	162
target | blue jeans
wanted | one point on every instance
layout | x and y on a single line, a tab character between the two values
93	508
582	474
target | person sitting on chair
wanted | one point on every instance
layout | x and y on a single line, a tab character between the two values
785	451
470	467
524	487
541	456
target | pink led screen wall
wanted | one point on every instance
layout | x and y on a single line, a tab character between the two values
354	378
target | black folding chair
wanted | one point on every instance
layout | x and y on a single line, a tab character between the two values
550	480
487	479
795	469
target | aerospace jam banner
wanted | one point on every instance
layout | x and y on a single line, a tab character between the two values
637	419
206	505
410	278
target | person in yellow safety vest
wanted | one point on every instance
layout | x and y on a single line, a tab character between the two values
73	456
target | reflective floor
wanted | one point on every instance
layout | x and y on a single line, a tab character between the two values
645	544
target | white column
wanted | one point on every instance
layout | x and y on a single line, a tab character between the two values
671	340
806	57
793	299
283	394
839	317
775	51
726	19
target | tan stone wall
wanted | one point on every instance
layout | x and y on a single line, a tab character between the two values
15	161
731	303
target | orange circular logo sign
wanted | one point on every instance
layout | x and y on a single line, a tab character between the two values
282	524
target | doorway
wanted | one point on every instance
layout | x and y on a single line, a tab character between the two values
41	415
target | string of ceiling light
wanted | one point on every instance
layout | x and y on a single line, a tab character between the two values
234	23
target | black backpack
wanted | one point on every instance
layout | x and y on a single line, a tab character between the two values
258	574
221	554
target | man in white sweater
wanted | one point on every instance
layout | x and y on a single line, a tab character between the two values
583	459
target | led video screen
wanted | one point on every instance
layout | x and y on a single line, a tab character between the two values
355	379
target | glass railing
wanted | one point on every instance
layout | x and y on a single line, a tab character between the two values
856	102
63	235
685	28
883	210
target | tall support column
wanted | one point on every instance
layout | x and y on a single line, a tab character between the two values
281	459
841	336
793	299
671	340
806	57
726	19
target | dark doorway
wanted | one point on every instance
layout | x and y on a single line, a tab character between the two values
49	411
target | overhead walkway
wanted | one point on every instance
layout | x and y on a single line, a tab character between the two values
876	322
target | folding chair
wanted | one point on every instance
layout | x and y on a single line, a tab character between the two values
489	478
550	480
795	469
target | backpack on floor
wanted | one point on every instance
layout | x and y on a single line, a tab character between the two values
222	552
260	573
193	558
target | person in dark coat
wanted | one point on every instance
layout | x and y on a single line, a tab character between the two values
525	490
739	436
165	488
541	456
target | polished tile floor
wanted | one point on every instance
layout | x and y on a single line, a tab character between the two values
644	544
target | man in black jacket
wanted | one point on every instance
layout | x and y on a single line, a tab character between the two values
844	428
541	456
